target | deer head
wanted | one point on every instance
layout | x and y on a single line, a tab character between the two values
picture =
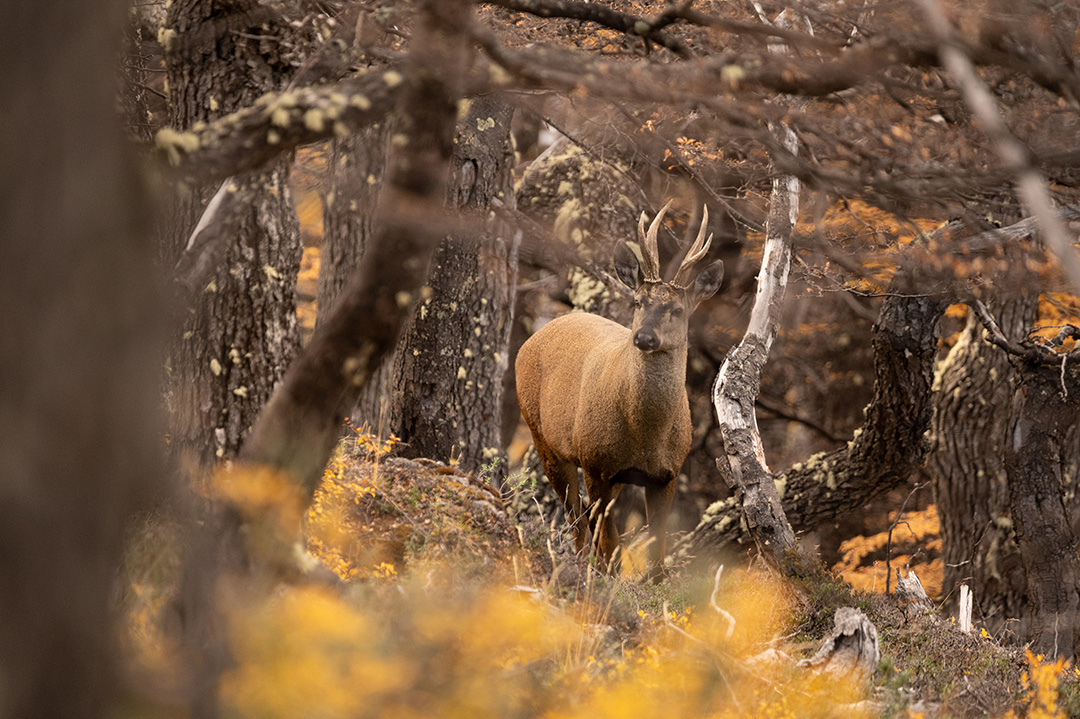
662	309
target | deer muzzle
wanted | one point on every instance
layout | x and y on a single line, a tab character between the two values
646	340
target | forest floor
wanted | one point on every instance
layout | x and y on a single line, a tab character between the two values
443	602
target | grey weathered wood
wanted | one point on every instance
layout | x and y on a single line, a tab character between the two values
851	649
910	592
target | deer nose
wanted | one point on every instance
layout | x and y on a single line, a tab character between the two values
646	341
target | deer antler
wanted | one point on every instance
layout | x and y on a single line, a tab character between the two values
650	256
695	253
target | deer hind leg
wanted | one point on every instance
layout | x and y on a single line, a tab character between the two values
657	508
563	477
602	518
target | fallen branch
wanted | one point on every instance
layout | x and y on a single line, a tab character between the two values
602	15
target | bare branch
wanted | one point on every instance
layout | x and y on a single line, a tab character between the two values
1034	353
894	525
996	335
1017	231
1030	185
278	123
782	411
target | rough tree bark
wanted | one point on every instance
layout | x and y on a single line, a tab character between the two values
462	323
356	167
79	416
738	382
973	386
357	170
1039	452
241	332
1045	407
446	385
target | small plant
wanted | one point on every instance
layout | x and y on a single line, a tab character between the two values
1041	682
517	481
521	480
371	445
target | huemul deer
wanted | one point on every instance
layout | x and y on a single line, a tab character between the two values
612	400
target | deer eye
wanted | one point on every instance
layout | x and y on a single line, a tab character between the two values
677	312
637	303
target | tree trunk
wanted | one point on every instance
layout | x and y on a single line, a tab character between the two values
973	386
447	381
297	430
357	170
79	415
1046	406
884	452
738	383
241	332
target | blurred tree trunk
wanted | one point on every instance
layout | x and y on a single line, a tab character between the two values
966	464
241	332
79	362
446	386
356	169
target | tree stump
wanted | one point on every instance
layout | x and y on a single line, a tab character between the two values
851	650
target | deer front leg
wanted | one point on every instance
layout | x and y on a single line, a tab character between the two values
563	477
657	508
602	518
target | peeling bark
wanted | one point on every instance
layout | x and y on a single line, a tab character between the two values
738	383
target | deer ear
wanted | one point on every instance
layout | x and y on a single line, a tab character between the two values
708	282
627	267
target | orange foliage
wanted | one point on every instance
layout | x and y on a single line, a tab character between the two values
863	563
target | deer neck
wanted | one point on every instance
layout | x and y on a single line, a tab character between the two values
655	385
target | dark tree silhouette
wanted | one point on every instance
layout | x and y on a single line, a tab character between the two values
79	417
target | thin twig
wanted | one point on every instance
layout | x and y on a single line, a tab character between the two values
888	541
1035	353
716	607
